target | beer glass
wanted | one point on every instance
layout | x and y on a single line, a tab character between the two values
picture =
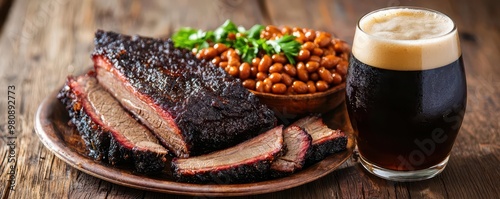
406	92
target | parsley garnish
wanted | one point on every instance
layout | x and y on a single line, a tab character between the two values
247	45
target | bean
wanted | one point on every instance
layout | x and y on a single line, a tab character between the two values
325	75
311	87
210	53
233	61
272	29
309	46
295	29
300	39
275	77
345	47
255	61
264	64
342	67
232	53
244	71
233	71
223	56
315	58
220	47
303	75
223	64
299	36
299	87
298	33
339	46
249	84
279	58
291	70
279	88
200	54
328	51
325	34
265	35
231	36
286	30
286	79
303	55
310	35
259	86
317	51
337	78
321	86
344	56
276	68
314	76
312	66
329	61
301	66
261	76
216	60
322	40
268	84
253	71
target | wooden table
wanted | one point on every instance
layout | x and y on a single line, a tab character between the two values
43	41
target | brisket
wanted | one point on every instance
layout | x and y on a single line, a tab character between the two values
246	162
109	132
298	145
192	106
325	141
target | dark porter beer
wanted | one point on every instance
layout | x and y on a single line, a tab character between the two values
406	120
405	92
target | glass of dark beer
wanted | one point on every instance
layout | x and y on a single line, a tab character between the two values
406	92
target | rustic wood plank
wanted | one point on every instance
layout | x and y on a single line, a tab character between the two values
43	41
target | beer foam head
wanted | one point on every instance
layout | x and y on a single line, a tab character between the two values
406	39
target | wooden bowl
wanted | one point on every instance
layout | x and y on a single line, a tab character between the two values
293	106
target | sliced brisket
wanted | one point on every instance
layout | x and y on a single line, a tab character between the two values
246	162
109	132
325	141
298	145
192	106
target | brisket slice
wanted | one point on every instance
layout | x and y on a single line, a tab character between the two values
325	141
298	145
109	132
192	106
246	162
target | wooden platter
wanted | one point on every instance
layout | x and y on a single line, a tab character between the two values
51	125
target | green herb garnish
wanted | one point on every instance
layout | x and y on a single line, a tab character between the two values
287	45
247	45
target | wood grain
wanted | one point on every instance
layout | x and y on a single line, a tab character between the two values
42	41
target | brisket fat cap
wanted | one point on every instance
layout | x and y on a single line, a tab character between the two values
246	162
109	132
211	108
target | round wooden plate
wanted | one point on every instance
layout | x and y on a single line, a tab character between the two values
51	125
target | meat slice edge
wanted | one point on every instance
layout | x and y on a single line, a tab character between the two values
109	132
201	104
246	162
325	141
298	145
160	122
